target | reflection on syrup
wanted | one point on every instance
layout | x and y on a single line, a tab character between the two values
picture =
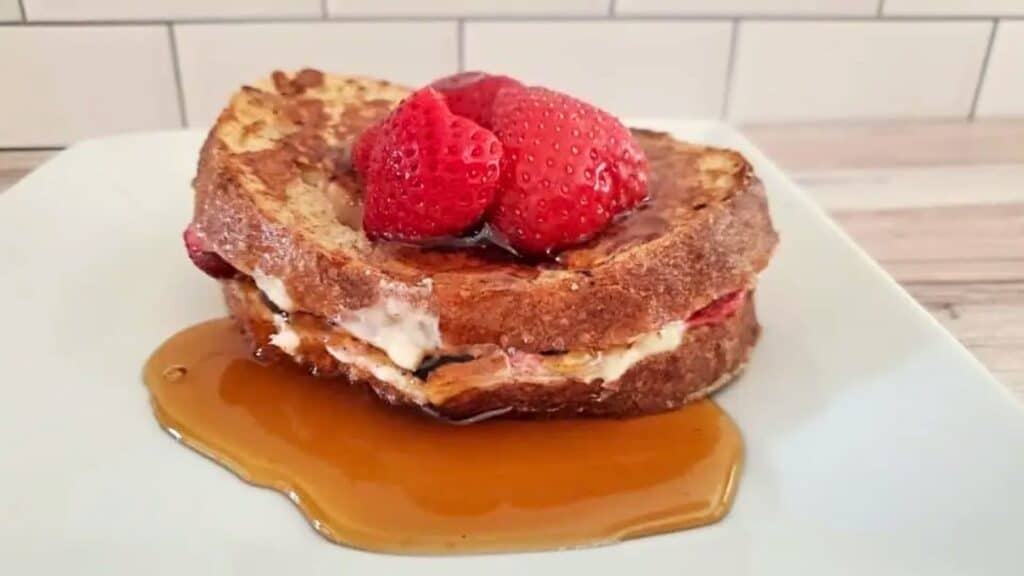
383	478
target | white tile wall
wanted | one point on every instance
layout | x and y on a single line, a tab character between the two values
802	60
1002	92
747	7
62	84
9	11
809	70
68	10
468	7
630	68
217	58
954	7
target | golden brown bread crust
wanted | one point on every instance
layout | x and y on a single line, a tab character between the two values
708	358
274	192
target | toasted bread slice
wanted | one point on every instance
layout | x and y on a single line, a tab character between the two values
639	379
462	330
276	198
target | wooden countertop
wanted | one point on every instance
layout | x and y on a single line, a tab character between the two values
939	204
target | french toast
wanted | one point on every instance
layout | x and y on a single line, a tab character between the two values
460	329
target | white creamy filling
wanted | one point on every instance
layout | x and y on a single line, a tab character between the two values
286	339
610	365
383	371
402	330
274	290
607	365
405	332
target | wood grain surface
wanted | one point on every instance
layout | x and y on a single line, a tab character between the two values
940	205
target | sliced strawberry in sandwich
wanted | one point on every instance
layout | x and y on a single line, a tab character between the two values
206	260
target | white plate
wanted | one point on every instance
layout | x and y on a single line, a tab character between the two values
875	443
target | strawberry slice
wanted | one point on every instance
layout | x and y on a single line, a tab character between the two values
568	169
429	173
207	261
471	94
718	310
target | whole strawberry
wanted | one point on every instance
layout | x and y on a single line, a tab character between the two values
429	173
568	169
471	94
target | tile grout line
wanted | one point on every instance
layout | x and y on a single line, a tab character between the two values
4	149
24	14
182	115
720	17
323	10
881	7
730	68
984	70
611	8
461	54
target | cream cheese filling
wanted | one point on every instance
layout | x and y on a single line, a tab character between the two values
274	289
402	330
406	333
405	382
607	365
611	364
285	338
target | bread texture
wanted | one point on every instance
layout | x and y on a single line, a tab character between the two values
276	197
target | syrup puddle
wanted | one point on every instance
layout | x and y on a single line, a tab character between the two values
382	478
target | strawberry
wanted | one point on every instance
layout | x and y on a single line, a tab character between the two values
430	173
568	169
363	146
206	260
718	310
471	94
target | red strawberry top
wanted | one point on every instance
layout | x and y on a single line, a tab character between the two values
471	94
568	168
428	173
543	170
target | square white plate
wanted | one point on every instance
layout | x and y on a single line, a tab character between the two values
875	443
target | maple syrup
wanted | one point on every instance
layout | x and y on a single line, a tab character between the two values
383	478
